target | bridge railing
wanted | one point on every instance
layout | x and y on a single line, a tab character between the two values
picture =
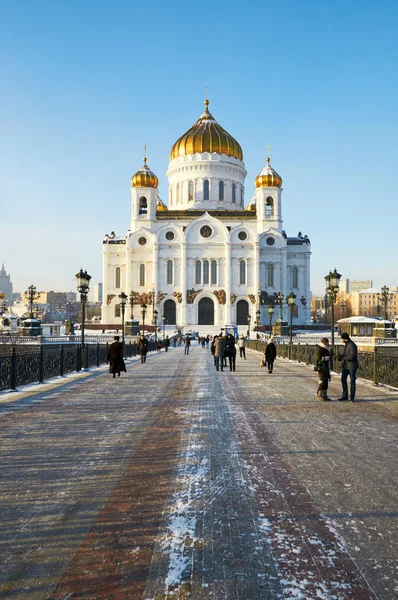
378	364
35	365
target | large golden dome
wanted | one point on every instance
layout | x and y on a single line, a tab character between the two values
268	177
144	177
206	136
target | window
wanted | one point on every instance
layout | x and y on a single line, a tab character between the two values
214	271
242	272
169	271
295	277
198	272
190	191
143	206
142	275
269	206
117	310
206	190
233	192
117	277
221	191
206	272
270	272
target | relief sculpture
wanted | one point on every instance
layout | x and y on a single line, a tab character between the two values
191	295
221	296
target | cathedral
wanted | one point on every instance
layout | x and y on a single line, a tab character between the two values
206	259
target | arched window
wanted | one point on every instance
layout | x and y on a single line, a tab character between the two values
270	273
142	275
169	271
190	191
221	191
269	206
295	277
117	277
206	190
198	272
206	271
233	192
242	272
143	207
117	310
214	271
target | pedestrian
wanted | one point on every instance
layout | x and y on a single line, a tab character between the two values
174	341
115	357
322	366
270	354
179	341
230	351
166	343
158	346
242	347
142	348
203	341
350	365
187	343
213	348
219	352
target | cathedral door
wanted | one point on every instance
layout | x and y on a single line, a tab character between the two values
169	311
206	312
242	312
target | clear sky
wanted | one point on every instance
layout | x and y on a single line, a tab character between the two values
84	85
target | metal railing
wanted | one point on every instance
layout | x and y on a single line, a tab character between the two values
379	365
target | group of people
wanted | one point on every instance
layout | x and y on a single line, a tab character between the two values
223	347
349	359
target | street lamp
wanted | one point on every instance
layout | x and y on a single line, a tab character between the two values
280	299
248	325
332	281
83	286
291	304
123	301
258	314
384	299
155	322
271	309
131	299
32	295
164	324
143	309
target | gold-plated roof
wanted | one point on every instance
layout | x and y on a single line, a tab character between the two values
144	177
268	177
160	205
252	204
206	136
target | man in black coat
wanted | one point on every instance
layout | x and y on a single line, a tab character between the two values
142	348
350	365
322	365
115	357
270	354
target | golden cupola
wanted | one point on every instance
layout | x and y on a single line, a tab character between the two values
144	178
160	205
268	177
206	135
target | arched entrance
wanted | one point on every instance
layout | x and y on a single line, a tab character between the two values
242	312
206	312
170	312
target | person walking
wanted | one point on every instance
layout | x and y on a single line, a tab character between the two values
230	351
219	352
270	354
115	357
166	343
242	347
142	348
213	348
350	365
187	343
323	357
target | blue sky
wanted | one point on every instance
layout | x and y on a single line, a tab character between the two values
84	85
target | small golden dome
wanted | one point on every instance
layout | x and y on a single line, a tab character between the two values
206	136
252	204
268	177
144	178
160	205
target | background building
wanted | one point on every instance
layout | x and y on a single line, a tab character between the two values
6	285
98	293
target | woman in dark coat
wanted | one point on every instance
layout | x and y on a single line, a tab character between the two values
322	365
115	357
270	354
230	351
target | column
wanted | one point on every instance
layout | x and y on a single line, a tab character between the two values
184	283
228	268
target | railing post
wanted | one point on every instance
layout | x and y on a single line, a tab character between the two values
298	352
41	366
307	358
78	358
130	349
134	349
375	369
61	361
85	357
107	350
13	374
98	354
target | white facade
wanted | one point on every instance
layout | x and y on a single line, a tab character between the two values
208	260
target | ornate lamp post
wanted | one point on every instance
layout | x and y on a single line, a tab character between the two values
258	321
164	326
31	295
83	286
271	309
155	322
248	325
123	301
143	309
280	298
291	304
131	300
384	299
332	281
